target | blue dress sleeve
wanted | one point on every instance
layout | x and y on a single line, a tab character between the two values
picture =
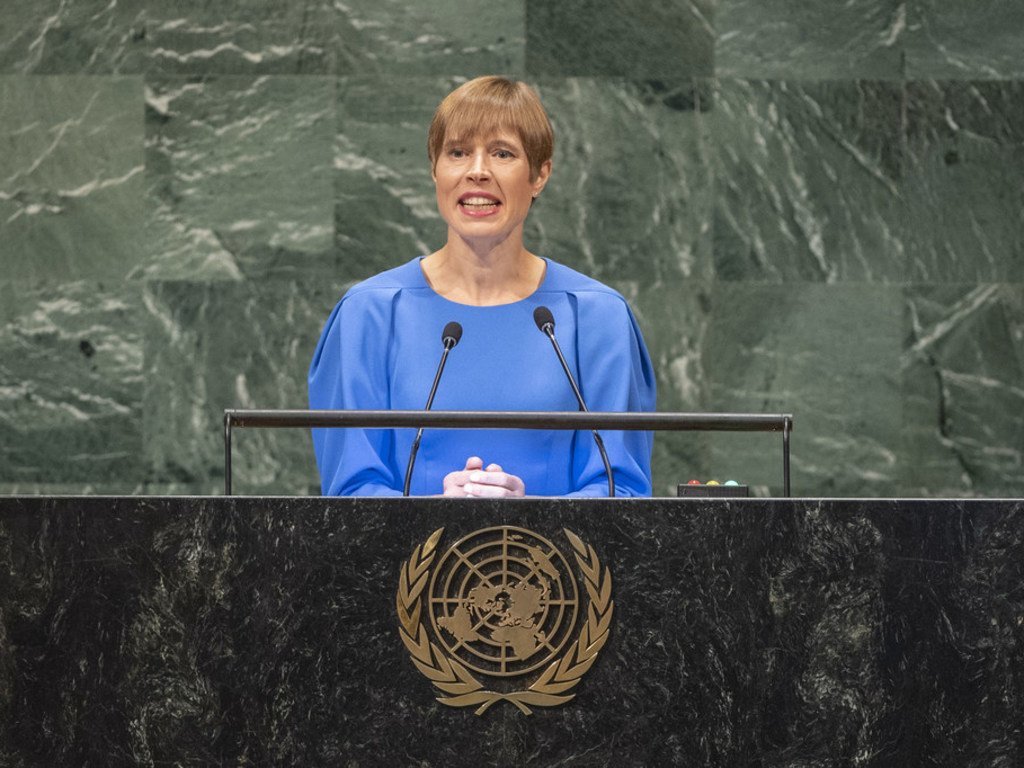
616	375
350	370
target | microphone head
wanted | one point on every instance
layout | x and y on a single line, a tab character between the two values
453	333
544	319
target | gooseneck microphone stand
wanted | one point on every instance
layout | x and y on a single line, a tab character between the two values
546	323
449	338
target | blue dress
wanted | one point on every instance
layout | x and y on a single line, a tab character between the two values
380	350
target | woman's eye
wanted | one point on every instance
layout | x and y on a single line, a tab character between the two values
456	153
504	154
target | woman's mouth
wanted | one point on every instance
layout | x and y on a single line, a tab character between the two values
479	205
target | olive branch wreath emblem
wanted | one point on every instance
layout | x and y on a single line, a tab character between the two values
451	677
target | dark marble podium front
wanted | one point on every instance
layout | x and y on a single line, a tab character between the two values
263	631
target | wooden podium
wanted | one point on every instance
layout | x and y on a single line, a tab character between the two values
281	631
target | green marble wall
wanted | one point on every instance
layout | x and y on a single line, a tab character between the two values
814	208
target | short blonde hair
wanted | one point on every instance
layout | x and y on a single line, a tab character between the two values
489	104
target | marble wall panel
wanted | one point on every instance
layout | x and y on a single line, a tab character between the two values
638	39
211	346
964	41
807	182
99	487
794	40
963	191
70	176
445	37
240	37
630	193
828	354
963	390
250	37
57	36
70	386
238	177
385	211
674	320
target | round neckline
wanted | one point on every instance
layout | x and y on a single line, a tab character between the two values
424	283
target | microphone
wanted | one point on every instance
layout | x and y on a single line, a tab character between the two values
450	336
546	324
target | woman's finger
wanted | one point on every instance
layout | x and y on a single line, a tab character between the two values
487	491
490	478
503	480
454	482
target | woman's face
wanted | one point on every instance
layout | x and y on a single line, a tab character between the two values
483	185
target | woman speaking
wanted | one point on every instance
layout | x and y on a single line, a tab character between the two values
490	146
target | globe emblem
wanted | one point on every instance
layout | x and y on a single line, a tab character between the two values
503	601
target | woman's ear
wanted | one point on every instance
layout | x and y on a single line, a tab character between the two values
543	173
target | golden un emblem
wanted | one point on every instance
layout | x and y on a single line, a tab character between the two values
502	604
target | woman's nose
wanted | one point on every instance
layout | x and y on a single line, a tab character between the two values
479	167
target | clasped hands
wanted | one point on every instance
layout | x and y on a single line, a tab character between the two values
489	483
